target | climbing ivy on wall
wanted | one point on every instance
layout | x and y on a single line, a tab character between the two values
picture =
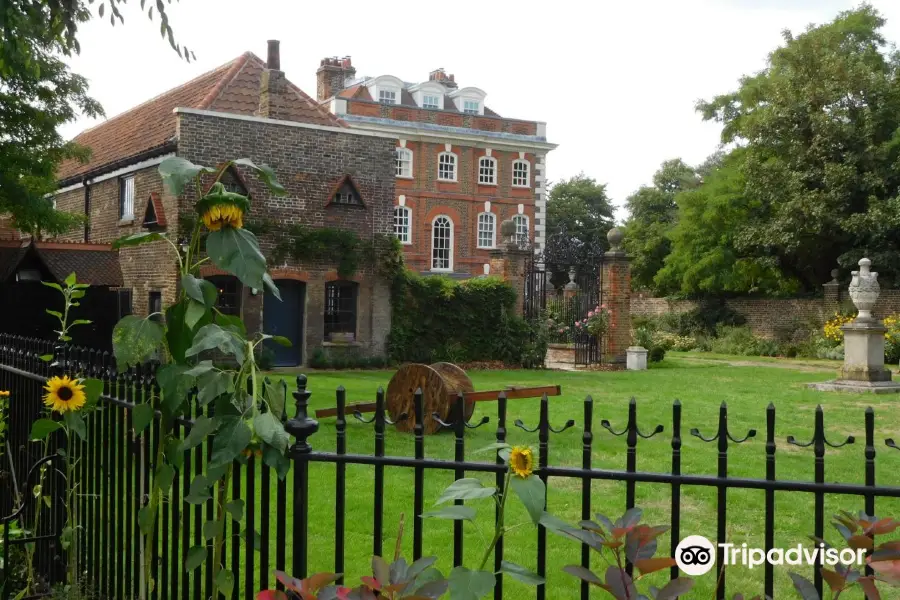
342	247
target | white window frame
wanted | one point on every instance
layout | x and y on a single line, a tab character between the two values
454	162
124	203
526	178
451	241
487	162
399	170
473	110
436	105
393	92
486	217
407	211
520	236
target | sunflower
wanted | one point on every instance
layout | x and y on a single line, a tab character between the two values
220	208
521	460
64	394
223	215
4	394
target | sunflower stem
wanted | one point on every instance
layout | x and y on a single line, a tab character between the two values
221	500
498	532
153	508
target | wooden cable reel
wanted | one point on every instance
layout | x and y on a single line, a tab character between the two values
441	384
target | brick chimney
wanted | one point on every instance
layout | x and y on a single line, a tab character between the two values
441	76
274	99
332	76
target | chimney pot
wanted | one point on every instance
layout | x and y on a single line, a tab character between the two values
273	61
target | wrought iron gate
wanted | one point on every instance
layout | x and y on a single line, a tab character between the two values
562	306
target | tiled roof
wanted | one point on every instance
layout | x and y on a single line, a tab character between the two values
232	88
11	253
96	264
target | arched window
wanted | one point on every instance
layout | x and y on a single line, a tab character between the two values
447	166
487	171
442	243
404	162
523	234
487	230
521	173
403	224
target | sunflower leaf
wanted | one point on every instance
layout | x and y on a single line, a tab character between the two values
532	492
75	423
44	427
92	390
135	340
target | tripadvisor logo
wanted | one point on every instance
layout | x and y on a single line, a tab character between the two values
696	555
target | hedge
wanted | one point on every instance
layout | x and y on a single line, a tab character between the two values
436	318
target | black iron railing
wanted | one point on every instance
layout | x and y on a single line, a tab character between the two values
116	476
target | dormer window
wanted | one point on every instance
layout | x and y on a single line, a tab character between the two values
345	193
429	101
387	96
472	107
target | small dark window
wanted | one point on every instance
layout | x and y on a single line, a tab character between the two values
346	195
154	306
232	183
124	301
228	301
340	307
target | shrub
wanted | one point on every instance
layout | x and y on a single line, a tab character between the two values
265	358
892	339
671	341
437	318
741	341
656	354
832	328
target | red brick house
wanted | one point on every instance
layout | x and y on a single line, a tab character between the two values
461	169
245	108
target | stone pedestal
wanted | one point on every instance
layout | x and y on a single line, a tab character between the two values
863	369
864	352
636	359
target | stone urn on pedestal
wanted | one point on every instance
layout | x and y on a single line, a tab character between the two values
863	369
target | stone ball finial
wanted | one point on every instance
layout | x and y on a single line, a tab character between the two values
508	228
615	237
834	275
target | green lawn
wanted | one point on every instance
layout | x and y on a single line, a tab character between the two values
701	387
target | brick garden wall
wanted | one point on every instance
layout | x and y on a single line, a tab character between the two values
309	163
769	317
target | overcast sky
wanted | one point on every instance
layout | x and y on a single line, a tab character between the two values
616	82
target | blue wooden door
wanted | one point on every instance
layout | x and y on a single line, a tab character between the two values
285	318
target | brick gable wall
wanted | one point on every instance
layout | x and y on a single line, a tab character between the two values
147	268
309	163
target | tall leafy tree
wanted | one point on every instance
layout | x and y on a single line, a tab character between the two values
652	213
821	159
38	93
703	258
579	214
